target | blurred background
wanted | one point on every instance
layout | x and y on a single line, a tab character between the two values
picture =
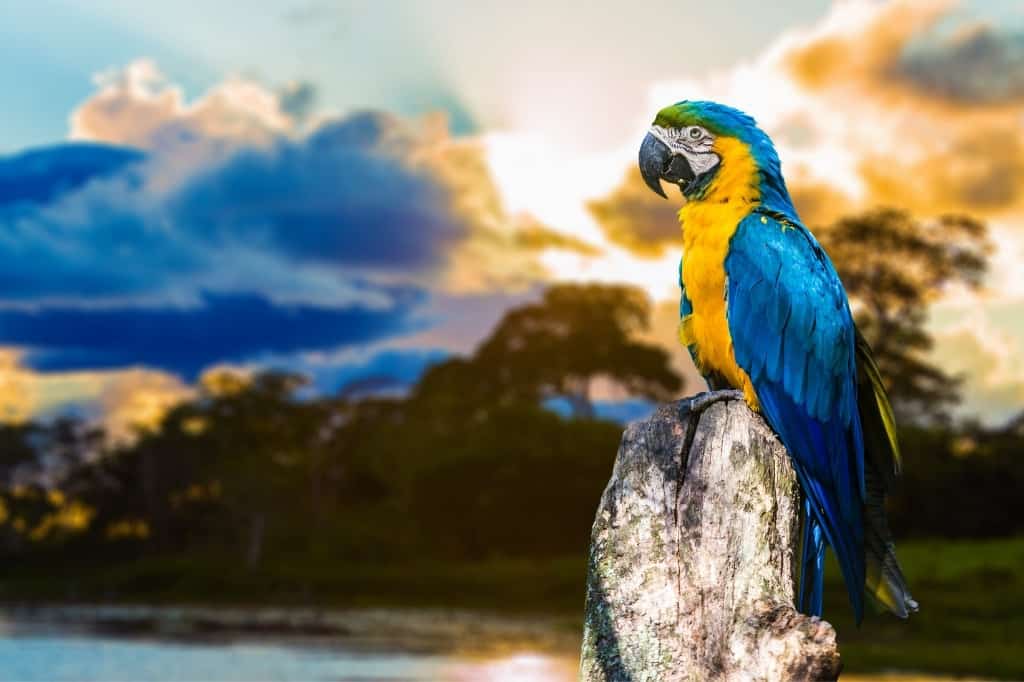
320	322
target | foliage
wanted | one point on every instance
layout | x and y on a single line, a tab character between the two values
469	465
893	266
559	346
250	492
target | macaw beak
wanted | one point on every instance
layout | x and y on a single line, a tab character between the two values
657	163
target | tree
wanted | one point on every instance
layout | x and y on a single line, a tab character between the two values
893	266
17	449
575	334
256	442
70	442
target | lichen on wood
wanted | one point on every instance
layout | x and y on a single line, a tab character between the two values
693	555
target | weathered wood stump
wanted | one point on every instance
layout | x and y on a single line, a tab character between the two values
693	555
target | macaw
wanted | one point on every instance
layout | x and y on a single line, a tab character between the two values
762	311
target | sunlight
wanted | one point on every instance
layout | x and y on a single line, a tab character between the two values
540	177
537	178
657	277
540	180
526	667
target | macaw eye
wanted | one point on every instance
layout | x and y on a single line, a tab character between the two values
694	132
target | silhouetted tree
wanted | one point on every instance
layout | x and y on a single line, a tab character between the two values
893	266
18	449
257	442
70	442
575	334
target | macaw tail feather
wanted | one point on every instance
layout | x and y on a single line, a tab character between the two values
884	582
812	564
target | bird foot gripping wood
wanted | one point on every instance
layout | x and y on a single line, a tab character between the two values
702	401
693	553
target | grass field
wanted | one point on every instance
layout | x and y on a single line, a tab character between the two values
971	619
971	594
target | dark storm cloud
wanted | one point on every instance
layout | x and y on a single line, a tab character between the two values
76	221
224	327
101	246
41	175
980	65
85	221
333	198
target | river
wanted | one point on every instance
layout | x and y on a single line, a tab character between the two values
173	645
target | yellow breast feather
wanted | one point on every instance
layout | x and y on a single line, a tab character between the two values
708	224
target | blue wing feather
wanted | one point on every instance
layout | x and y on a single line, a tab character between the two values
792	333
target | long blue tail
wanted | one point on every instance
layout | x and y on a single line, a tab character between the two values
823	456
812	564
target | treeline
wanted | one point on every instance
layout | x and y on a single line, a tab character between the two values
471	464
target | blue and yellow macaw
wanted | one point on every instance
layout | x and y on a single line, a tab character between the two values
763	311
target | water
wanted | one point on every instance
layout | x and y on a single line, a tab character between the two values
76	658
69	644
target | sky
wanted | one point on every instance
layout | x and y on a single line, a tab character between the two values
355	189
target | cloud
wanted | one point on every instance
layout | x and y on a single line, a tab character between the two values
981	171
989	361
135	400
17	399
858	43
636	218
908	104
137	106
43	175
975	64
181	255
345	195
104	237
123	400
534	236
819	203
184	340
241	186
928	106
853	105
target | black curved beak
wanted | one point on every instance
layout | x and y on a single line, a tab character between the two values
657	163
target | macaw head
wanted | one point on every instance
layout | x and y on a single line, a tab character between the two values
690	143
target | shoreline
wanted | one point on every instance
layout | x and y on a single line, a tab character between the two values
420	630
464	633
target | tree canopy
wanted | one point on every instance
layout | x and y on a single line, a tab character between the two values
893	266
576	333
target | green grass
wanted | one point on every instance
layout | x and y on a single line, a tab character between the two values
971	594
971	619
551	586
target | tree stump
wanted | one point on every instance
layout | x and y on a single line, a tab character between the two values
694	553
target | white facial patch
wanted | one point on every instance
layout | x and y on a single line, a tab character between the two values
693	142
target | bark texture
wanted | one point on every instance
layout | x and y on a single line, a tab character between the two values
693	555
